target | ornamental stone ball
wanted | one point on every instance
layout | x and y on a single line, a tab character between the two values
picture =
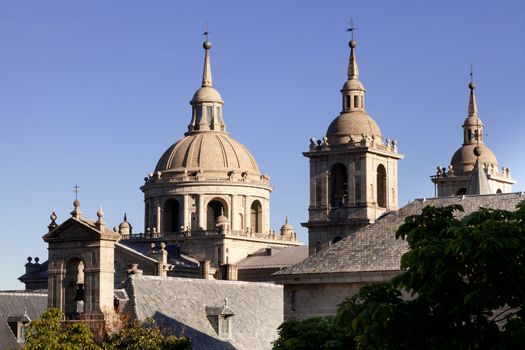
352	43
207	45
472	86
477	151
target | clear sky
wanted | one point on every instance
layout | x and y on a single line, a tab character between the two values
93	92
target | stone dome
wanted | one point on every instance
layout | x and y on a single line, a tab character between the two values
206	94
287	230
353	85
207	152
354	123
464	158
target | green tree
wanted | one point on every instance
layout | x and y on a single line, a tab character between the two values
313	333
145	335
463	284
48	333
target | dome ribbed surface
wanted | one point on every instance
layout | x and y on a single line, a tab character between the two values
353	124
207	152
464	159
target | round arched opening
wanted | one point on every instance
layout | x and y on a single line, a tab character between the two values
74	288
256	216
461	192
171	216
381	186
213	210
499	190
338	185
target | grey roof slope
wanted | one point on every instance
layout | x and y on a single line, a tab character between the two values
16	303
375	248
179	305
280	257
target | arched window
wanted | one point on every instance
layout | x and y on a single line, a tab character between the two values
336	239
499	190
256	216
381	186
213	211
74	288
171	218
338	185
461	192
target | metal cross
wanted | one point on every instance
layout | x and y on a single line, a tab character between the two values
352	29
75	189
471	73
206	32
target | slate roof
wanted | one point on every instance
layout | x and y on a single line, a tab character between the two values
175	257
279	257
15	304
374	248
180	305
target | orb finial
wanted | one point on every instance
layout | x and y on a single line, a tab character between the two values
477	151
207	44
471	85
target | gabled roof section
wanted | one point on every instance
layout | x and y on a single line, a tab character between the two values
274	257
74	229
374	248
181	306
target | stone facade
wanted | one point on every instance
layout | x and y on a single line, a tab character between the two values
316	286
81	266
353	171
207	194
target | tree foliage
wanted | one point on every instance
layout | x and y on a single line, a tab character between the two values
462	286
49	333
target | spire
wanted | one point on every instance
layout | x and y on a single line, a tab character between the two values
353	91
353	70
473	126
206	72
472	106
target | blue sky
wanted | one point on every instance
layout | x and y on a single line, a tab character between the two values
93	92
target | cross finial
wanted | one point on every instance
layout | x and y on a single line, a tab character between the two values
352	29
75	189
206	32
471	73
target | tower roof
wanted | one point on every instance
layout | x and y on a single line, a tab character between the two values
207	147
353	121
464	158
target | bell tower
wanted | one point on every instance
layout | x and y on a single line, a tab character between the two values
353	171
81	266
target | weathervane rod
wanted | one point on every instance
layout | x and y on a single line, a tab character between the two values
75	189
352	29
206	32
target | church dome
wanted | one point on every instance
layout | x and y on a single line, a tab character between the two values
206	94
464	158
207	151
353	121
355	124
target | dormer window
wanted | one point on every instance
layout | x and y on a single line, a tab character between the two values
221	319
18	324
